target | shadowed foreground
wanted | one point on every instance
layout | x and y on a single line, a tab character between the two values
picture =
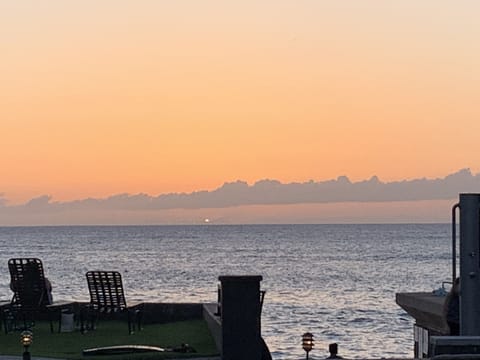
110	333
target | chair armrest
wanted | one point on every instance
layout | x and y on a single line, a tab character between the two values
60	304
134	304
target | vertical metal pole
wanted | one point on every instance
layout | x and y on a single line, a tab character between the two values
26	354
469	264
454	242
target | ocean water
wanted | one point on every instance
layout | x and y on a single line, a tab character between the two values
336	281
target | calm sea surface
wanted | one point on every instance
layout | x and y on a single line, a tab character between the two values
336	281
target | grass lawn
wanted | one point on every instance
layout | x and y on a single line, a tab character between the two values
110	333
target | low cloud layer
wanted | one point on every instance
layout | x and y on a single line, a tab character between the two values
264	192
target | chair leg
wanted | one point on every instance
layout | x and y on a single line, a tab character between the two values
83	329
93	317
50	320
10	321
25	321
5	319
87	319
129	319
55	314
134	317
139	316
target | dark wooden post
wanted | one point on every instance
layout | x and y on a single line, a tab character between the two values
240	314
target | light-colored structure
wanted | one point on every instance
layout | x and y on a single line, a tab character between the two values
428	308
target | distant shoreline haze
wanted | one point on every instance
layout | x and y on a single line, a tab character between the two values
266	201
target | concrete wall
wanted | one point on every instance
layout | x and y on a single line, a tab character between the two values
170	312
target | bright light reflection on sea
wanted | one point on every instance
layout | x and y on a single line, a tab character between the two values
336	281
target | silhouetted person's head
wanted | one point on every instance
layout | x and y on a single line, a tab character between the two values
333	349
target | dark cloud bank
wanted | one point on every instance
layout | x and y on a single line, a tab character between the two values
266	192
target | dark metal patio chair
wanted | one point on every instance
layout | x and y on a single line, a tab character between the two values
30	296
107	297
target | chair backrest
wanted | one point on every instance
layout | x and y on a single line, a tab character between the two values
106	290
27	282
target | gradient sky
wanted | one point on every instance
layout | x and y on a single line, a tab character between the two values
106	97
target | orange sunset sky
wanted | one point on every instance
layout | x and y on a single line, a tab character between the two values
106	97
